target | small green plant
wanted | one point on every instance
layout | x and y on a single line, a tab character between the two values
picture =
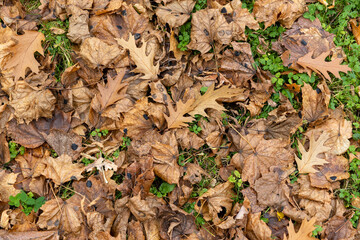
317	230
30	4
195	129
86	161
99	133
189	208
126	142
15	149
235	178
163	190
26	201
184	36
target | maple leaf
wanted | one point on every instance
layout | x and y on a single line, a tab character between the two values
320	66
144	63
309	158
112	92
304	233
23	53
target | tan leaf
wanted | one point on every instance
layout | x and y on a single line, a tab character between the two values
38	235
23	53
356	30
320	66
216	203
98	53
257	228
209	26
4	149
144	63
175	13
310	158
173	47
114	91
165	162
305	231
286	12
242	18
31	103
57	213
78	25
61	169
7	189
176	117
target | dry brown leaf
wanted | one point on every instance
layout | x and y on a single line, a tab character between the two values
98	53
310	158
144	63
38	235
23	53
216	203
78	25
284	11
165	162
60	169
242	18
209	26
257	228
4	149
304	232
114	91
355	30
320	66
175	13
176	117
7	189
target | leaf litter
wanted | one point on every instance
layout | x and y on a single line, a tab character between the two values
141	140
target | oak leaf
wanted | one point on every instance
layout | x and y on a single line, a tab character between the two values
176	117
209	26
310	158
305	231
114	91
320	66
175	13
23	53
144	63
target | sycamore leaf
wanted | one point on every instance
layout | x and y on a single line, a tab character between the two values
309	158
23	53
320	66
175	13
112	92
144	63
304	232
208	100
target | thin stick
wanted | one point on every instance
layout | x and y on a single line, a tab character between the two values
242	136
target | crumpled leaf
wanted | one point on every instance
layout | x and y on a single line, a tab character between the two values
175	13
78	25
144	62
209	27
310	158
60	169
216	203
305	231
98	53
284	11
38	235
31	103
356	30
23	53
7	188
165	162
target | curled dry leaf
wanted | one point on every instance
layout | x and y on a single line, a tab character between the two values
165	162
175	13
98	53
23	53
284	11
310	158
356	30
31	103
216	203
7	189
209	26
144	62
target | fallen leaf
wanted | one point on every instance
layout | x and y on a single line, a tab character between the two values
23	53
175	13
7	188
320	66
144	62
209	27
355	30
304	232
38	235
310	158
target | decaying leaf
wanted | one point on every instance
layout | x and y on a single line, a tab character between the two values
310	158
23	53
175	13
144	62
355	30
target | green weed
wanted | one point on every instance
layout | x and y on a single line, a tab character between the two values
99	133
30	4
27	202
15	149
163	189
